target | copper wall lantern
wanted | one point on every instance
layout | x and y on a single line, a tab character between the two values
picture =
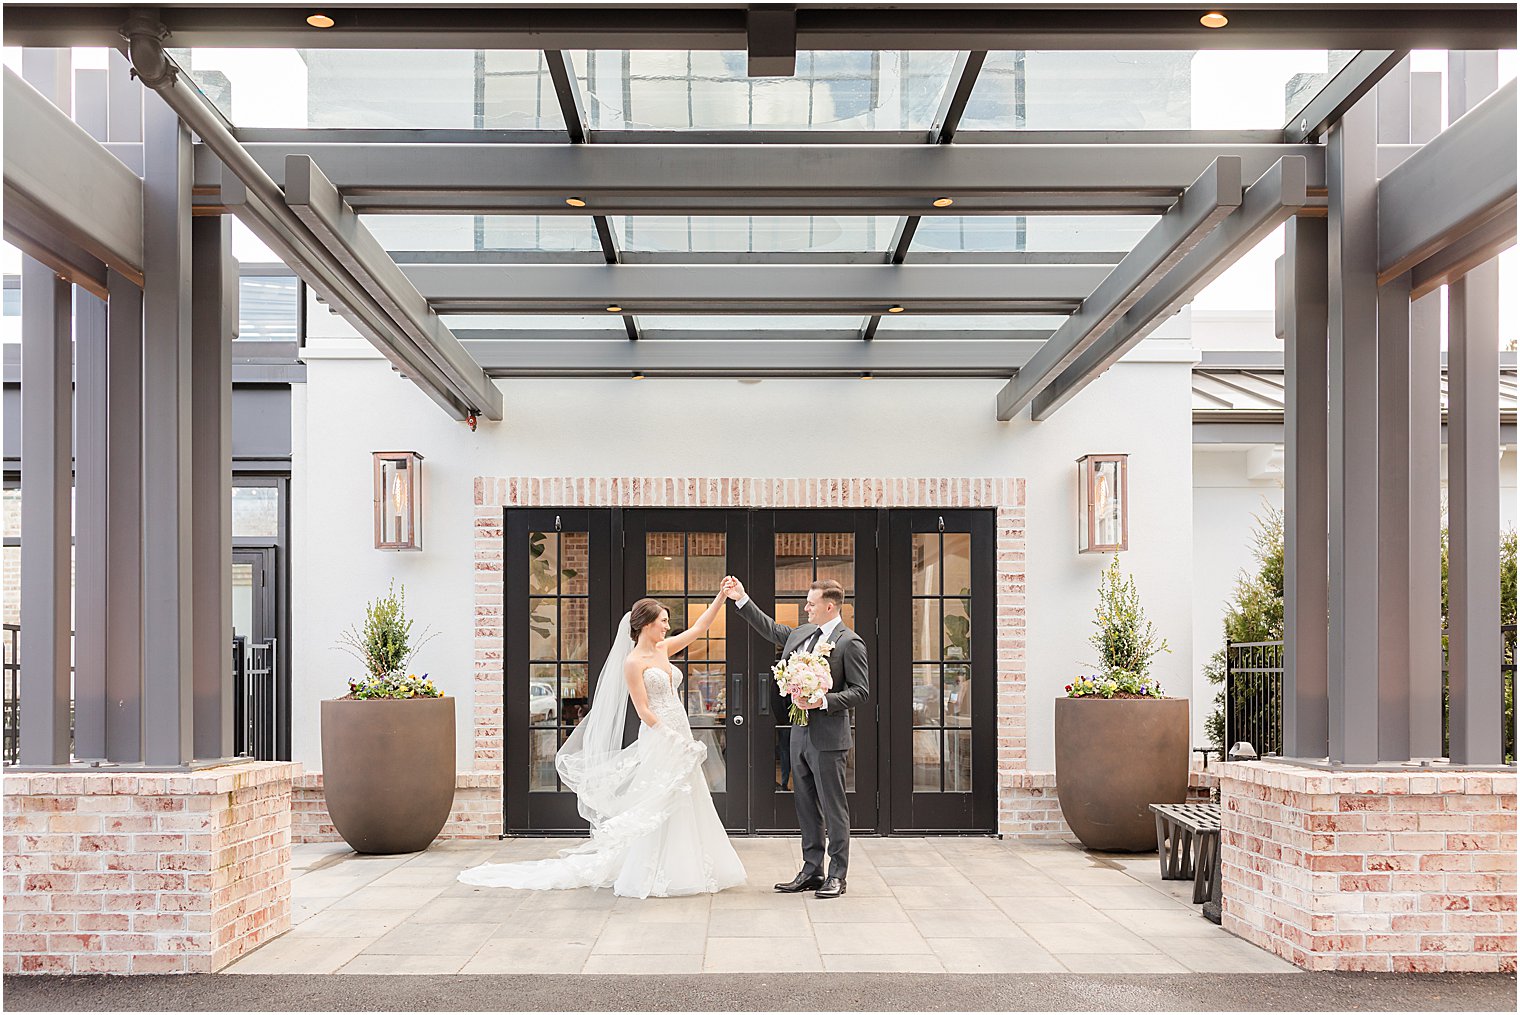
398	500
1102	503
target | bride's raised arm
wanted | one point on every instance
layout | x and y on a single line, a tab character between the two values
677	642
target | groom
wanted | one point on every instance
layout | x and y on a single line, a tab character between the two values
819	749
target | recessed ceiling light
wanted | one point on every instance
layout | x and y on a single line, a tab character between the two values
1213	19
613	308
576	202
319	21
866	376
638	375
943	202
895	308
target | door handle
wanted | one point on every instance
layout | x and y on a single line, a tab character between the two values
736	698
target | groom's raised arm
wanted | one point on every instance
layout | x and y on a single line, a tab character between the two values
763	622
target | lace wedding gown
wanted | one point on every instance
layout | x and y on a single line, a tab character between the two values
667	841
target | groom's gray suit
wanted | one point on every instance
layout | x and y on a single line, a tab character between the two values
819	748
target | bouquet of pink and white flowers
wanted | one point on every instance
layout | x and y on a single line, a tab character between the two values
804	677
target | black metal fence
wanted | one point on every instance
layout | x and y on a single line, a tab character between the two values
258	707
1253	695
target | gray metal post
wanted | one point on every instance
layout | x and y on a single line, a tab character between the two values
1394	540
167	652
1351	177
90	645
1305	299
1425	679
46	486
213	290
1426	706
1472	448
124	100
124	520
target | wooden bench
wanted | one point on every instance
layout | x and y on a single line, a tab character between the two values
1187	839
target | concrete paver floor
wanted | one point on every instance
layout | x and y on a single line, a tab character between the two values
930	905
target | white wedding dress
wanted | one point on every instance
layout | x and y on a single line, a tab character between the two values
662	835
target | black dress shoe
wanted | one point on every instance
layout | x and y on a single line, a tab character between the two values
832	888
802	883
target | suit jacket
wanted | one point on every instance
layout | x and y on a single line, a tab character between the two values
828	727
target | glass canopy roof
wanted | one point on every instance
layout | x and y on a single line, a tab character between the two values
685	97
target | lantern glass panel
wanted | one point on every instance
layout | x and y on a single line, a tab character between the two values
1108	504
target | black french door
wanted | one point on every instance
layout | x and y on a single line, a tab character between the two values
941	714
571	573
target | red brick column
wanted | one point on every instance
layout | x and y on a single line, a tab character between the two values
1379	871
160	873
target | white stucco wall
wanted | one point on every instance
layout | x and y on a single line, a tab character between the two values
351	407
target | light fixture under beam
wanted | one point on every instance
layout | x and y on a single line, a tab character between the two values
943	202
613	308
576	202
638	375
895	308
1213	19
319	20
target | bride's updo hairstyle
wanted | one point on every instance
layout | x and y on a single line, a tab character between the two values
644	612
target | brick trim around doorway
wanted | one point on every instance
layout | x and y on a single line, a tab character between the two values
1021	809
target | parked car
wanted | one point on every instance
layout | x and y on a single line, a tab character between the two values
543	706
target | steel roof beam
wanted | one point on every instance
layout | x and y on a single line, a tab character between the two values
1268	203
1342	92
740	136
731	357
317	203
68	202
1462	185
1202	206
725	289
713	27
797	179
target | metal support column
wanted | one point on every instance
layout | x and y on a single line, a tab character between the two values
1426	680
47	429
1472	344
1394	537
1305	302
168	665
1425	677
90	645
124	520
1351	177
214	300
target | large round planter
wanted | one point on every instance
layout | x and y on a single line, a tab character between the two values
388	770
1114	758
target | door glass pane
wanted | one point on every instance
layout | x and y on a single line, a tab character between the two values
665	562
926	696
543	695
543	563
836	559
575	628
957	562
575	563
242	599
794	563
926	629
543	629
541	747
847	614
575	694
706	562
926	761
957	628
925	564
957	761
957	695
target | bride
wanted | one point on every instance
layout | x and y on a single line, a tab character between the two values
654	830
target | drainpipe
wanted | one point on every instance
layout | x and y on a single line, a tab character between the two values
282	229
